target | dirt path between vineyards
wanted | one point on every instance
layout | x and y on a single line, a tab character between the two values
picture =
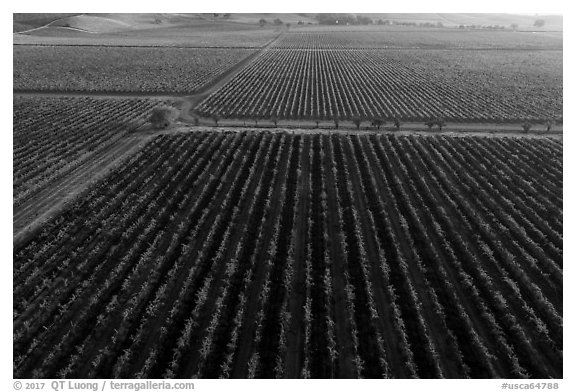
456	128
55	196
184	127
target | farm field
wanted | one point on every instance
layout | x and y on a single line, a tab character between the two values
256	254
376	37
197	33
268	196
321	74
54	135
61	145
414	85
117	69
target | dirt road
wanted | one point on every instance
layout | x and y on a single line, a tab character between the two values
55	197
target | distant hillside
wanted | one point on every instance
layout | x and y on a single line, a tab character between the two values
270	17
104	23
551	22
115	23
23	22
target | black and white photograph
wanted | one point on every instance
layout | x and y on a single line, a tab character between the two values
286	195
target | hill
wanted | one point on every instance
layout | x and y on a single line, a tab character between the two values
109	23
23	22
551	22
116	23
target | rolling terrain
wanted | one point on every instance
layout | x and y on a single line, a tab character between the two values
381	201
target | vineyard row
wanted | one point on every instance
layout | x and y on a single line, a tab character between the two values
237	255
367	84
54	135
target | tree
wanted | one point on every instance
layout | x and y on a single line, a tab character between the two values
514	26
336	122
216	118
440	122
163	116
336	19
378	122
275	121
549	124
317	123
430	123
539	23
262	22
397	122
526	127
357	121
278	22
363	20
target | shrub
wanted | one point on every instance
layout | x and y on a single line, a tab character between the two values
526	127
163	116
